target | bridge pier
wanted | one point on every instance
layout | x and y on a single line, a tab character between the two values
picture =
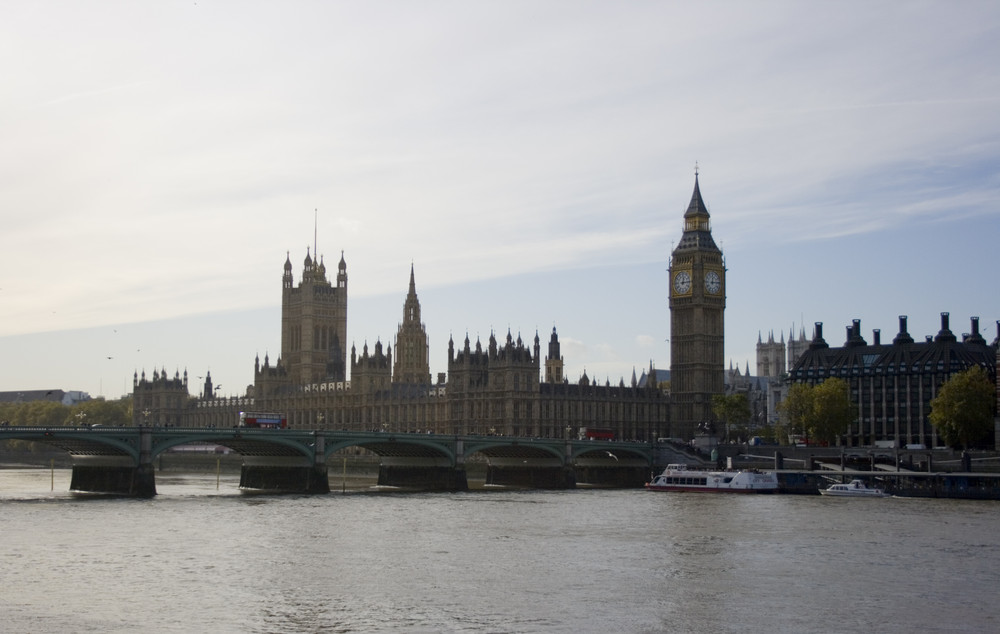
423	478
117	475
112	475
533	477
283	475
278	479
288	474
426	474
616	477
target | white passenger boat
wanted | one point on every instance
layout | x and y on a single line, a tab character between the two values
677	477
856	489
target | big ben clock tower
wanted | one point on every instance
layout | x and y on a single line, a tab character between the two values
697	334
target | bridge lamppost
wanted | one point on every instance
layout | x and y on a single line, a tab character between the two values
81	416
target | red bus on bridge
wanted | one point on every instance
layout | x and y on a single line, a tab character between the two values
598	434
263	420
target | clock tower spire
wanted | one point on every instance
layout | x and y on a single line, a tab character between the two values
697	335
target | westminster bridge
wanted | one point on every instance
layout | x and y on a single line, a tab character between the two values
120	459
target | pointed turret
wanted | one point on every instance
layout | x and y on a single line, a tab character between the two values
412	356
554	361
286	278
696	208
697	224
307	267
342	272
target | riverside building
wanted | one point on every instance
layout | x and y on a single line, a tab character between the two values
893	384
491	389
501	386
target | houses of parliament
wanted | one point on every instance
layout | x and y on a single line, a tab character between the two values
501	386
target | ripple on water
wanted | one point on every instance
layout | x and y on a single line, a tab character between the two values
198	558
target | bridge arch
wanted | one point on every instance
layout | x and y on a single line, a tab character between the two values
78	441
411	446
612	451
243	444
509	448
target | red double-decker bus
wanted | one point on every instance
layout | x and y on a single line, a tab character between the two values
263	420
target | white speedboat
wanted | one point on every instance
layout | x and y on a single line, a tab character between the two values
677	477
855	489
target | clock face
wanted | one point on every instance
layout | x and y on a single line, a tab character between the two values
713	283
682	282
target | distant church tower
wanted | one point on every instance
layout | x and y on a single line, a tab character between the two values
697	333
770	356
314	323
796	347
412	365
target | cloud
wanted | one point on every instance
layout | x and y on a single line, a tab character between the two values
482	142
99	92
645	341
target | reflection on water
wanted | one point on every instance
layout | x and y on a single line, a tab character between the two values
201	556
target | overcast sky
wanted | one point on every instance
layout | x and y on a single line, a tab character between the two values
532	160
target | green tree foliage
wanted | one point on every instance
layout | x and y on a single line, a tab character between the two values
732	410
101	412
771	433
832	412
33	414
794	411
822	412
42	414
962	411
50	414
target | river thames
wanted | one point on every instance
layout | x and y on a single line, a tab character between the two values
202	557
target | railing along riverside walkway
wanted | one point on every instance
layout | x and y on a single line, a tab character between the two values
912	472
120	459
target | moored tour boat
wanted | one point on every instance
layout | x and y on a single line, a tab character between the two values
677	477
856	489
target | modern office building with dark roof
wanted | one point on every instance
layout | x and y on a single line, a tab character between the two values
892	384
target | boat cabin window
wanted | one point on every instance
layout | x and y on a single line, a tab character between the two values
688	481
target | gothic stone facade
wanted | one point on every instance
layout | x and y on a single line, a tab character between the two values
496	390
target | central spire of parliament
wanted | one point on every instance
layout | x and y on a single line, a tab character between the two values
411	363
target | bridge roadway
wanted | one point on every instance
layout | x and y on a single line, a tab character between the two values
120	459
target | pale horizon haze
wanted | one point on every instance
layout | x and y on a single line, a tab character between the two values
531	161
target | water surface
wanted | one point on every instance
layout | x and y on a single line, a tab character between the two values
202	558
